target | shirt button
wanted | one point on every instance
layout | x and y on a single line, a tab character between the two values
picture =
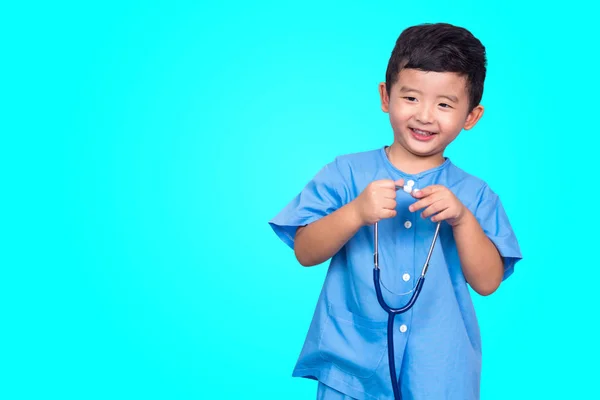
407	224
410	183
403	328
406	277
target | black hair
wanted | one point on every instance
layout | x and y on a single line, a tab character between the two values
440	48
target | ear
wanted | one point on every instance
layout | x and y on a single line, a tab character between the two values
385	99
473	117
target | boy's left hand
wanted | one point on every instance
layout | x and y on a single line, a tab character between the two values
439	200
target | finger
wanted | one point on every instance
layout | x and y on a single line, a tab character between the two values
442	216
388	213
389	193
399	182
389	204
386	183
434	209
428	191
427	201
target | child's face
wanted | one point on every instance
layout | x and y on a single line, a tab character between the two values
428	110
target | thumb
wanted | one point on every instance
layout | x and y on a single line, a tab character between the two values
399	182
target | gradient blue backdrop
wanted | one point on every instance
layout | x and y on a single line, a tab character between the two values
145	145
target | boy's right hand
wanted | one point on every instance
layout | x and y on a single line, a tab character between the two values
377	201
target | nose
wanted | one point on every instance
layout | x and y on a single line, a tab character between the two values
424	114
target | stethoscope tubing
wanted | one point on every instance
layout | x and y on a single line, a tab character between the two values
392	312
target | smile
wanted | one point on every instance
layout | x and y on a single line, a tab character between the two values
421	134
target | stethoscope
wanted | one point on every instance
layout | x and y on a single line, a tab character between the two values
392	312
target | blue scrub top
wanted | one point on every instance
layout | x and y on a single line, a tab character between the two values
437	343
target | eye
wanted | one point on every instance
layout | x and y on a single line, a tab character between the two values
444	105
410	98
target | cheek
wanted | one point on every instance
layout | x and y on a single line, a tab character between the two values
399	115
451	123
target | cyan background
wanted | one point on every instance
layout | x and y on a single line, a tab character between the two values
145	145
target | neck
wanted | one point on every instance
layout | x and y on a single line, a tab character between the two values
410	163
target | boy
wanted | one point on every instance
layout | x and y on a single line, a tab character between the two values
434	83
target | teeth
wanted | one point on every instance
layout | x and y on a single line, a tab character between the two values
422	133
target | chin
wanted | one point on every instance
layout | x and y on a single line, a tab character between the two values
427	154
425	150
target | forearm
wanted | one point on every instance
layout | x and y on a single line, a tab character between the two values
317	242
481	262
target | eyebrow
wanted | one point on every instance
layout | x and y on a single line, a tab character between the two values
450	97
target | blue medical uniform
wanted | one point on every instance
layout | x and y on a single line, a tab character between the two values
437	343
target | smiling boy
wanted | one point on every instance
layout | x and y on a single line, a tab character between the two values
433	88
